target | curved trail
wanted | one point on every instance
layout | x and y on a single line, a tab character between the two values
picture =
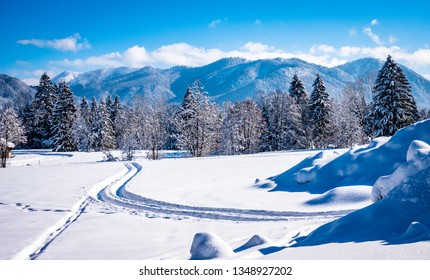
119	195
33	250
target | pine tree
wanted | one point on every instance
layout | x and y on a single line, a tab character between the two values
40	117
11	131
198	122
320	115
297	91
298	94
94	108
103	129
393	105
63	120
83	127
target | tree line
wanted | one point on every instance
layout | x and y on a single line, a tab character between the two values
272	121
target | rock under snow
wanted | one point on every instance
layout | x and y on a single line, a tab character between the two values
207	246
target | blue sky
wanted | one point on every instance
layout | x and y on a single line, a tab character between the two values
55	36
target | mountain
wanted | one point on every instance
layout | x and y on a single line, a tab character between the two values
234	79
15	93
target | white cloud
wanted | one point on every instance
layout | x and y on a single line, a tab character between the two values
392	39
374	22
31	81
322	49
136	56
189	55
215	23
258	22
375	38
353	32
72	43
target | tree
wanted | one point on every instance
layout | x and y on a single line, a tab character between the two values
11	133
242	128
63	120
103	129
127	122
198	122
350	118
320	115
283	126
40	117
298	94
155	126
393	105
83	127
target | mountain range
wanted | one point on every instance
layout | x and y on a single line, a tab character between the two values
226	79
235	79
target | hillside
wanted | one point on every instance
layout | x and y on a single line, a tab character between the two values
234	79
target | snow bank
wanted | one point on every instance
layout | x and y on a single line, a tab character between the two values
342	195
418	158
207	246
256	240
402	216
358	166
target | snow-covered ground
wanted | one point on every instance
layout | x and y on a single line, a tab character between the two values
280	205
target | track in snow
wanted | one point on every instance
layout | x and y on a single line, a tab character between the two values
36	248
119	195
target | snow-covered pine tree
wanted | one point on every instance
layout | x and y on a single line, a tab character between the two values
393	105
198	122
94	108
297	91
11	131
115	110
320	115
83	126
63	120
39	121
103	129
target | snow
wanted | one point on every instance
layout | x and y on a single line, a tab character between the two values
74	206
208	246
359	166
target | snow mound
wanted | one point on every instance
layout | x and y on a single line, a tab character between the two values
342	195
418	158
358	166
416	231
392	219
207	246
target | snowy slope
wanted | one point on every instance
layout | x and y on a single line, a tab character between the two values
328	170
14	92
235	79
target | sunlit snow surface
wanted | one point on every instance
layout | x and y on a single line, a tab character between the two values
234	206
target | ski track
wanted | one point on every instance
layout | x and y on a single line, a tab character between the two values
113	191
118	195
33	250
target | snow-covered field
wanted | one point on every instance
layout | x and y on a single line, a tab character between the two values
280	205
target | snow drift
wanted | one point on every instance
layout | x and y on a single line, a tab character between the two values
358	166
207	246
402	211
402	216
